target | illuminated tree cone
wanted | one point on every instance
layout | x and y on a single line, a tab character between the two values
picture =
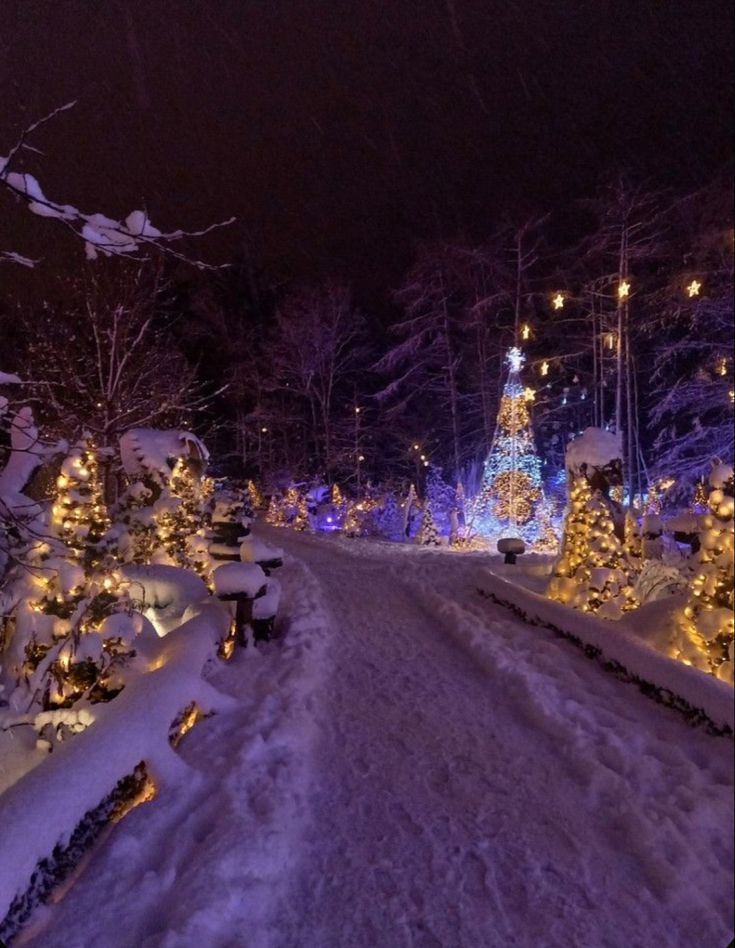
592	572
255	496
704	631
276	514
301	520
511	489
72	632
352	526
180	515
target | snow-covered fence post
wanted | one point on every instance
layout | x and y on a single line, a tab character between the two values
241	583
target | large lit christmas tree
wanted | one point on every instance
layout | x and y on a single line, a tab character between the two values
511	490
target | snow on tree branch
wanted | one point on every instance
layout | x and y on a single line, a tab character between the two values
101	234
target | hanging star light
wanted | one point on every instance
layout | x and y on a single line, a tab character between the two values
693	289
544	367
525	331
623	290
558	301
529	394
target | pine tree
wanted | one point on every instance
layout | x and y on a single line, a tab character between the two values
79	515
290	504
255	496
705	626
352	526
276	515
388	519
71	627
301	520
428	534
442	497
592	572
511	482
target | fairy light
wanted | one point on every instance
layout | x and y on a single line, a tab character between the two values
558	301
589	575
623	290
693	289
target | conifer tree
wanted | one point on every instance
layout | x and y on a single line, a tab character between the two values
428	534
276	515
592	572
705	626
79	515
255	495
301	519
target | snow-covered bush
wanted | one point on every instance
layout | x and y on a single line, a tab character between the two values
593	572
705	626
428	534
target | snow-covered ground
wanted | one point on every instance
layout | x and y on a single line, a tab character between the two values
383	782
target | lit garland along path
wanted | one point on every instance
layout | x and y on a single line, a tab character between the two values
421	796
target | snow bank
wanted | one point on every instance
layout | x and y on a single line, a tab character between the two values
43	808
619	644
166	592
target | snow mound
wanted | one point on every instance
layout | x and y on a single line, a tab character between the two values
166	592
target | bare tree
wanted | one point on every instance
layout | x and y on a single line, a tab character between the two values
692	327
100	234
318	343
105	360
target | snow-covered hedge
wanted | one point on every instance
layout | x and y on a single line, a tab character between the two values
42	810
700	696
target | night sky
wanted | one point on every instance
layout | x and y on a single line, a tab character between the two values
340	132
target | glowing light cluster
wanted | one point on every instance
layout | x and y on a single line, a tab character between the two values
706	624
592	572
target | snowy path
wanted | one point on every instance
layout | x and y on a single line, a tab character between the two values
513	796
533	801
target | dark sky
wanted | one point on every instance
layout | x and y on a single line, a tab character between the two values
341	131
